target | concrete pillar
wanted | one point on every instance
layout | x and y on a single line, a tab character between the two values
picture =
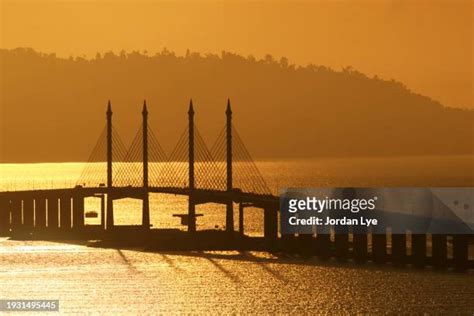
4	217
16	214
341	241
289	243
241	219
439	250
229	216
305	244
418	249
359	238
191	214
270	219
102	211
78	212
341	238
399	248
65	212
460	252
28	214
40	213
323	245
53	216
379	246
341	232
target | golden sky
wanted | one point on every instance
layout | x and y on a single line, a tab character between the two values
425	44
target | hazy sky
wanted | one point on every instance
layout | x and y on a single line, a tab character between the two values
425	44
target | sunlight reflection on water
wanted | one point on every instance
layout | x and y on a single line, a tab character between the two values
121	281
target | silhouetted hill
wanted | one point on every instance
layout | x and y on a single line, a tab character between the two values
53	109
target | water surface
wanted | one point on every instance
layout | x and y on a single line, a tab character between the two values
131	281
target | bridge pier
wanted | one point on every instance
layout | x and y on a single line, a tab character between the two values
53	216
460	252
270	224
418	252
78	212
65	212
379	245
191	215
146	211
440	250
229	216
241	218
4	217
102	211
16	214
359	240
110	212
40	213
28	214
399	248
323	243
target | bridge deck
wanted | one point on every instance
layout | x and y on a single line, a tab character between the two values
198	195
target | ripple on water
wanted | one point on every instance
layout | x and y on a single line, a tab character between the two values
88	279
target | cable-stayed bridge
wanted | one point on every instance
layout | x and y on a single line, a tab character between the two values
223	173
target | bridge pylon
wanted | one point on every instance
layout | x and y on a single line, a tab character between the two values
146	200
110	202
229	218
191	202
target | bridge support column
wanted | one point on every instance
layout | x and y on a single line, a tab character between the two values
341	243
65	212
78	212
359	235
323	243
460	252
241	219
16	215
4	217
379	245
102	211
110	212
418	252
28	214
191	215
40	213
439	250
146	211
229	216
399	248
53	218
270	224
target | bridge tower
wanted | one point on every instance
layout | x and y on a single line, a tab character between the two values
191	202
110	202
146	200
229	218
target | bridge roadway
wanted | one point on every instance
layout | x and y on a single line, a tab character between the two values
199	196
